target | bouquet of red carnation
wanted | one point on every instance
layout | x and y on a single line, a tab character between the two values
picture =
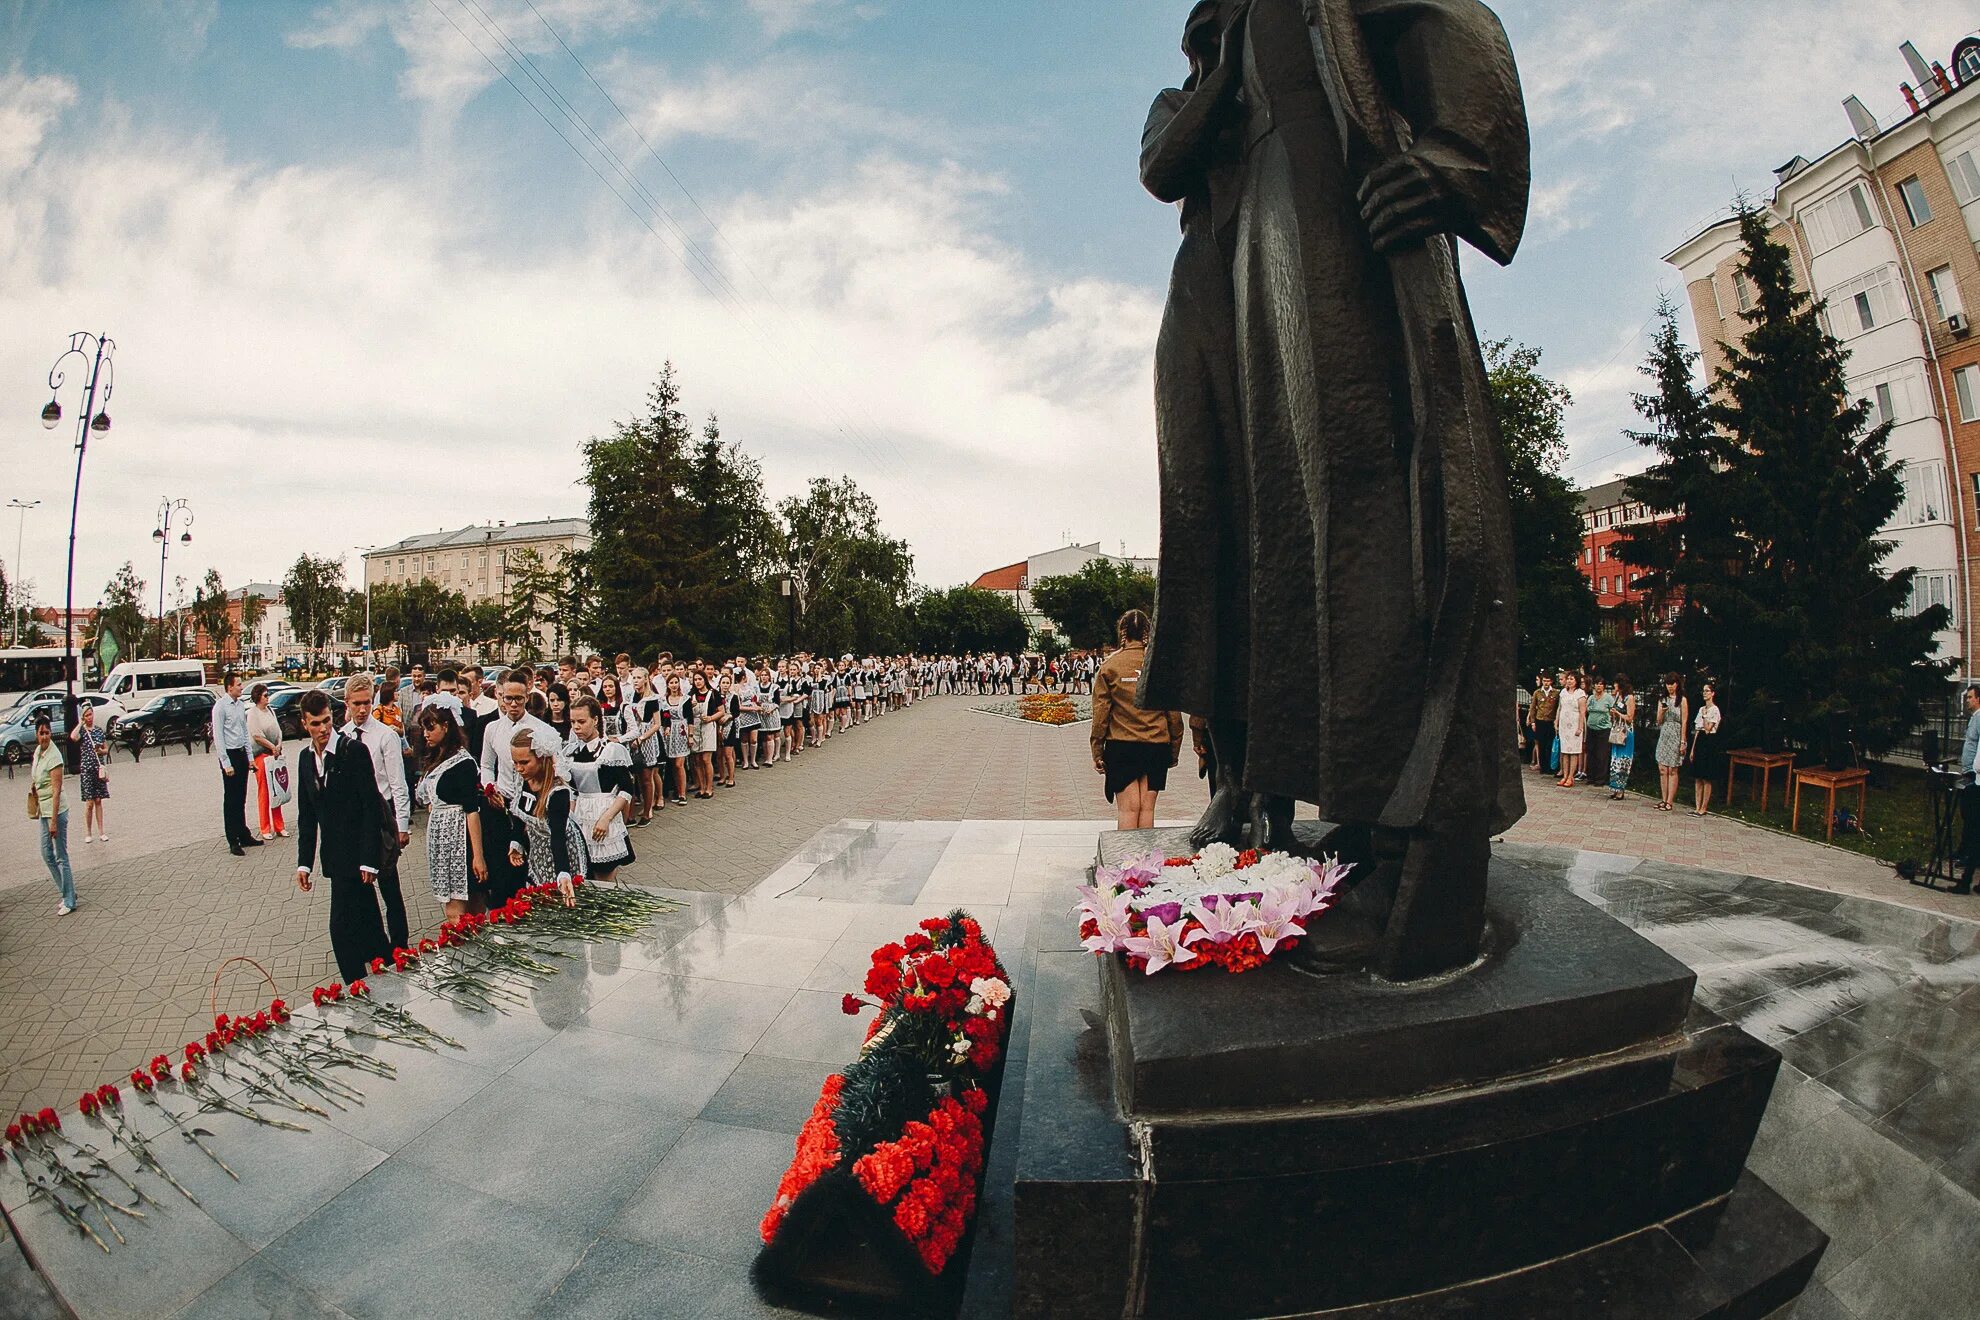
888	1168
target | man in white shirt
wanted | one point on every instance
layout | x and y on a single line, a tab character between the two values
389	771
230	744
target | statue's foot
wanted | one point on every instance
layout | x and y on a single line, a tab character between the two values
1348	936
1271	826
1222	821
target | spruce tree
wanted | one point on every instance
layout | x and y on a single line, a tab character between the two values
1813	624
1692	548
643	562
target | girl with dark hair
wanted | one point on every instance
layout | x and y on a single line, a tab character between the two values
559	717
1622	738
603	778
456	865
1708	756
1673	718
1133	748
676	742
705	709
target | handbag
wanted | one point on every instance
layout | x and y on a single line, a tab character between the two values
279	790
34	803
588	808
1618	730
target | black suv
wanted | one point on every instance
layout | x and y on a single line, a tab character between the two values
286	703
170	717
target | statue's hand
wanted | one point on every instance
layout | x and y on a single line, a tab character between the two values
1403	201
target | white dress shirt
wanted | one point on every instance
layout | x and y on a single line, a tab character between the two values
388	765
497	766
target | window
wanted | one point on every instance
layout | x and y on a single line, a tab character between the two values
1924	494
1605	586
1739	292
1866	302
1945	292
1966	387
1912	192
1836	219
1929	589
1602	555
1883	412
1964	171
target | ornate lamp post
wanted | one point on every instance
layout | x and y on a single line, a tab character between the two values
99	351
20	533
168	508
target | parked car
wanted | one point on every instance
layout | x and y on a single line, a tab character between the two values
17	729
335	687
169	717
134	682
286	704
108	709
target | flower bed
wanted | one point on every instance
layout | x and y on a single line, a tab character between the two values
1048	708
1218	908
883	1186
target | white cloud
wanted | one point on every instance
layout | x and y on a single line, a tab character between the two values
28	107
784	101
338	351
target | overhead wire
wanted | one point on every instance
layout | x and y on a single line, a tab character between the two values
707	273
716	229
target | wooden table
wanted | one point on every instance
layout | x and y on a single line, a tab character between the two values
1763	761
1829	781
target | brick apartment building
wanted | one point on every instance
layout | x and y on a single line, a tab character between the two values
1883	230
1606	513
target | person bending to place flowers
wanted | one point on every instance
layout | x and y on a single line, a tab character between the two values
451	792
545	838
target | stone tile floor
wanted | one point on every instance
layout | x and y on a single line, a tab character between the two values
643	1106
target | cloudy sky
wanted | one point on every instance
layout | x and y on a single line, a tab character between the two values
361	288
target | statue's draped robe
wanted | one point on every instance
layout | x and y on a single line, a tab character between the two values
1343	532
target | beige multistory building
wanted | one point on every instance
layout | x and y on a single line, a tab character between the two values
1883	229
477	561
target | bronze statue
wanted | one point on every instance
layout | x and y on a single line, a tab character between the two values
1336	589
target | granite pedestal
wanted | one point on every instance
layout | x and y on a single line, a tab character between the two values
1558	1132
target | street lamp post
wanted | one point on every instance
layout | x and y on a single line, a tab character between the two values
364	566
20	532
100	352
168	508
788	586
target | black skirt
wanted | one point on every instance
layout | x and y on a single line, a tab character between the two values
1129	761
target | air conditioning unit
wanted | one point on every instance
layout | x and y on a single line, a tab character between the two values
1957	323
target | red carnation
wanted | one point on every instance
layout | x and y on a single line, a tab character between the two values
917	943
14	1134
186	1073
852	1005
975	1100
937	970
108	1094
359	989
983	1055
377	965
889	953
50	1120
87	1104
220	1022
882	983
980	1029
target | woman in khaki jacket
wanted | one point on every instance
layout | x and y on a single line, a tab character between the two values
1132	747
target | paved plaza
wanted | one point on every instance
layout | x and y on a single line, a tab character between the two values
1865	983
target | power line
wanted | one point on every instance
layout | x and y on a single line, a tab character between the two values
689	253
693	201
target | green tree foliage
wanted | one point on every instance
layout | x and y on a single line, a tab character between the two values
730	610
209	613
421	616
854	583
1688	550
645	565
485	625
536	593
967	619
1806	620
122	614
314	592
1557	610
1087	604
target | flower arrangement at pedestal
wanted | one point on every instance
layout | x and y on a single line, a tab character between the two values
1047	708
1218	908
891	1158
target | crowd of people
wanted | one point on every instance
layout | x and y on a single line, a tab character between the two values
538	775
1584	728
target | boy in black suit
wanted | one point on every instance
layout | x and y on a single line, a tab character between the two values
338	792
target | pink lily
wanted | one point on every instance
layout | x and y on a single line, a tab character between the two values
1162	946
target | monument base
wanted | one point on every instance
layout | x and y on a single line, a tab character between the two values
1365	1184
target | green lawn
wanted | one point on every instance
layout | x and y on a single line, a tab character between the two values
1896	821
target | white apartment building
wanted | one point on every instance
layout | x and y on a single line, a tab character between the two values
1883	230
